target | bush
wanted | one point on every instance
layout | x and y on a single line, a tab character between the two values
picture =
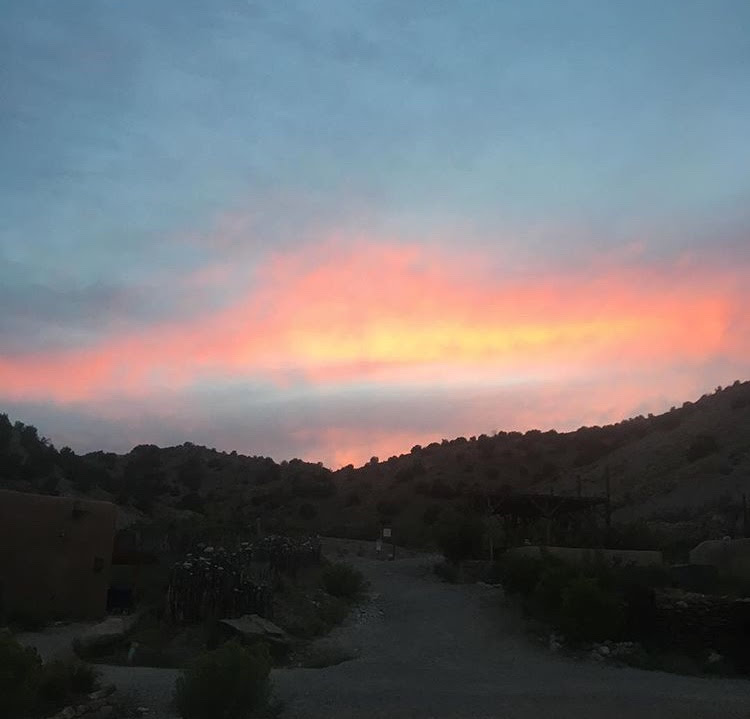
353	500
388	508
60	682
461	539
519	575
701	446
307	511
20	668
343	580
230	682
589	612
431	514
547	596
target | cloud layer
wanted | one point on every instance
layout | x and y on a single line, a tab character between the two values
335	229
335	317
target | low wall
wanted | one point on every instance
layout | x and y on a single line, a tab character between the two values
732	557
699	622
581	555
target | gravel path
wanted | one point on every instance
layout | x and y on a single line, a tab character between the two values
432	650
427	650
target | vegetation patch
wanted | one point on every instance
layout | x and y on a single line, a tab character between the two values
343	581
30	688
231	682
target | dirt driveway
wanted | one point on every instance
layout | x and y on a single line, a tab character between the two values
432	650
427	650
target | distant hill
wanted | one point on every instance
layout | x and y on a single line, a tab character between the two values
685	471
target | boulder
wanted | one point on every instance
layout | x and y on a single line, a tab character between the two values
105	633
252	627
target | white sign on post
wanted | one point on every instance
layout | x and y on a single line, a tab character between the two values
386	532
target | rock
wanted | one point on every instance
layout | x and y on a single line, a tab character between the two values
604	650
67	713
252	627
143	710
108	632
82	709
714	657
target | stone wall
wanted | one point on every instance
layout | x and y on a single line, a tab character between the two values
692	622
580	555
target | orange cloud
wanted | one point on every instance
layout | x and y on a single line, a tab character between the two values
336	312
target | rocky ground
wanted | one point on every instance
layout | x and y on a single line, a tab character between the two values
424	649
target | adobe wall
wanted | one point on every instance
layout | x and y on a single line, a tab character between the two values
55	555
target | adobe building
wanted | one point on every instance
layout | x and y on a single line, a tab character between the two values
55	556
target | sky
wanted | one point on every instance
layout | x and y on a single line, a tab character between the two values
332	230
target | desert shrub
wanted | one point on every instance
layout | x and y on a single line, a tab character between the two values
353	500
20	668
307	511
60	682
388	508
431	514
589	612
519	575
332	612
83	678
462	538
343	580
547	596
192	501
701	446
231	682
313	487
447	571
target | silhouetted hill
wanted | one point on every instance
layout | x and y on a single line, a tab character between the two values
685	469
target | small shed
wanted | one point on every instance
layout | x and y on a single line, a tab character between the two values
55	555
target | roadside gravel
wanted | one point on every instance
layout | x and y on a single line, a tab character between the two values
436	651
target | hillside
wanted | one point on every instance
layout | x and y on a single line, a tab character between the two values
685	470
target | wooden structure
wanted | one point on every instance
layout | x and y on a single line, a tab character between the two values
518	512
55	556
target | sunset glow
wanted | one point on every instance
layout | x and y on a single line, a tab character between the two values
333	241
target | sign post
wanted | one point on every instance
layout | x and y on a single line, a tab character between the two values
388	534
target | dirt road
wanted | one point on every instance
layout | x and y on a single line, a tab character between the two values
427	650
432	650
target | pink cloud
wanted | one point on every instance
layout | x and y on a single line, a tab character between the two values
336	312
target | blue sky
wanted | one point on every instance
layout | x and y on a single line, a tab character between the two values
145	143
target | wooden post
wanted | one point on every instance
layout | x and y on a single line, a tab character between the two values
745	518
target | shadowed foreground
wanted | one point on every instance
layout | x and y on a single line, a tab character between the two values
436	651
